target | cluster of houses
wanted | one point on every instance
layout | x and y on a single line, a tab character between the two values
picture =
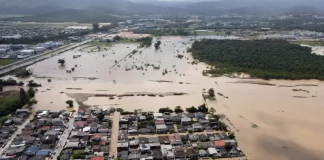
39	138
168	123
89	135
10	125
174	137
22	51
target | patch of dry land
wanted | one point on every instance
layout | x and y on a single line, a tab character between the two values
270	123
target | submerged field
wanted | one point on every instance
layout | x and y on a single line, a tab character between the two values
288	127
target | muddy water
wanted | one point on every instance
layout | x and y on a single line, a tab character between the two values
289	128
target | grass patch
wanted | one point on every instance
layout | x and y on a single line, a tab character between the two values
4	62
203	33
311	43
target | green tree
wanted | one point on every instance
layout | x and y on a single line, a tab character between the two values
167	109
117	38
178	109
202	108
78	154
100	116
119	110
231	135
1	86
23	97
228	146
211	92
95	27
31	92
70	103
192	109
61	61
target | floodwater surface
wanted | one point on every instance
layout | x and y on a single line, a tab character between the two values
271	122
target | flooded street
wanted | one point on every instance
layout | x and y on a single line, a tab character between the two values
288	125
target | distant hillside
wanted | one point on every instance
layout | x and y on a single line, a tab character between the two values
70	15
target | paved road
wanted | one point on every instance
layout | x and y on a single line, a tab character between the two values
36	58
114	135
63	139
18	131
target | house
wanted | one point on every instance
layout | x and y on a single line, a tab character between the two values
203	121
143	140
179	153
185	121
48	139
42	114
8	122
134	156
31	151
234	152
145	148
141	118
19	111
159	121
27	52
164	139
203	137
202	153
176	119
167	151
157	154
230	142
175	140
161	128
212	152
191	153
199	115
73	145
98	158
154	142
79	124
123	146
4	51
193	138
219	144
167	119
144	131
39	49
57	122
43	152
157	115
197	127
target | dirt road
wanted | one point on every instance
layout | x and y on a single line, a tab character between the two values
114	136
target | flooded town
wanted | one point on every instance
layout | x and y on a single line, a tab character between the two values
161	87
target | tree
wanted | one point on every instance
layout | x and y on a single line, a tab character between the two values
167	109
95	27
78	154
212	110
157	44
70	103
119	110
222	126
228	146
117	38
23	97
231	135
211	92
202	108
192	110
178	109
61	61
100	116
31	92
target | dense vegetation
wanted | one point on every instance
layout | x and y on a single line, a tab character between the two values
11	100
260	58
145	41
165	32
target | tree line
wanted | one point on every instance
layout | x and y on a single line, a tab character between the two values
277	59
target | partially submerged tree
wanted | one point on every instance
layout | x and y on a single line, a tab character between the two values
31	92
70	103
166	109
61	61
212	110
178	109
231	135
211	92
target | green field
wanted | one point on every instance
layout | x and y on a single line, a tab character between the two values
218	33
311	43
4	62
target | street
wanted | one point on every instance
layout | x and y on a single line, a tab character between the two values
114	135
18	131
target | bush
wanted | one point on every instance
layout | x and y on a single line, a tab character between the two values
211	92
167	109
178	109
192	110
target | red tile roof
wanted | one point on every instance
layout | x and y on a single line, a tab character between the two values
219	143
97	158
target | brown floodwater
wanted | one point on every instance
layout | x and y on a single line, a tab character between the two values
290	124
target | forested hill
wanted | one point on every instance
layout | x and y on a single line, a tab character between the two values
266	59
